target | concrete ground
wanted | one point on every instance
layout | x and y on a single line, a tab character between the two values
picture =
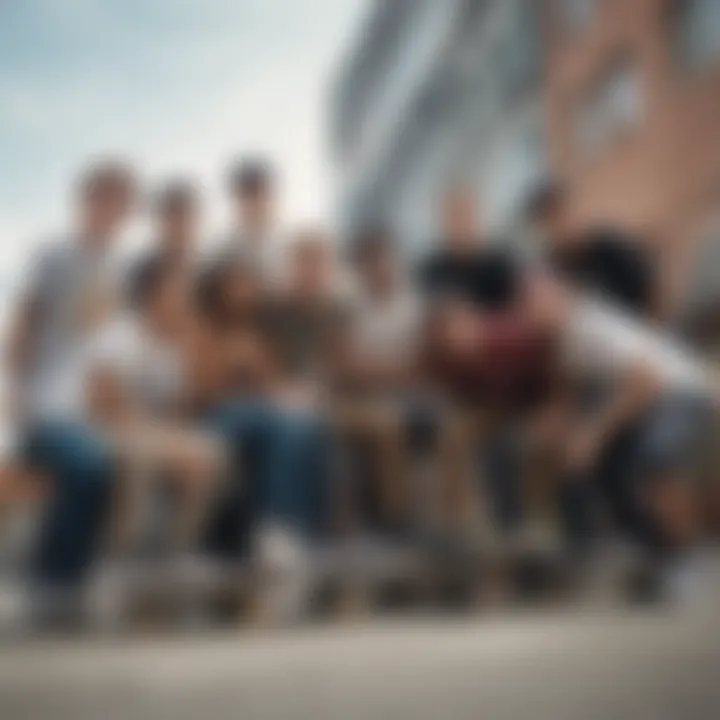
551	667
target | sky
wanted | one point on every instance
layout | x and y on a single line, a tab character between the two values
178	86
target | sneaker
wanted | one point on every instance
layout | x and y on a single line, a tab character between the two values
687	583
284	564
14	608
108	598
57	609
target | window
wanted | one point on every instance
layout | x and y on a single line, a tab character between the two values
614	105
698	30
577	15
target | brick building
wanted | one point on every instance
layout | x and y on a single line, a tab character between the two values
632	101
618	98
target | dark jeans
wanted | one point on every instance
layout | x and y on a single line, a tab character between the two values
298	489
666	440
614	483
278	472
501	471
81	468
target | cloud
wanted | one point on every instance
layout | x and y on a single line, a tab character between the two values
178	85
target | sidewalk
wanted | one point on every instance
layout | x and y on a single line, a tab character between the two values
545	668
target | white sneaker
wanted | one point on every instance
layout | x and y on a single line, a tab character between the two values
284	564
108	598
14	608
686	583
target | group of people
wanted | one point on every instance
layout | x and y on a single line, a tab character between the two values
243	386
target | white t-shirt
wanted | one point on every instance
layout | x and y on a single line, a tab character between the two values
151	369
601	339
386	328
266	253
69	280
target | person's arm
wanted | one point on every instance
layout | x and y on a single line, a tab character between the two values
634	393
604	344
22	336
25	322
24	329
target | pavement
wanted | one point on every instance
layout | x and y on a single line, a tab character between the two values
552	666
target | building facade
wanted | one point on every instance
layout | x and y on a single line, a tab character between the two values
619	99
438	93
632	102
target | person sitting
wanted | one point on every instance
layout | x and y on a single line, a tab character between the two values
377	401
276	505
73	292
136	391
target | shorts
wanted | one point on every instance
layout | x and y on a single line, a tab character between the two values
665	444
672	436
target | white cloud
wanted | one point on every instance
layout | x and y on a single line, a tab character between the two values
178	85
195	82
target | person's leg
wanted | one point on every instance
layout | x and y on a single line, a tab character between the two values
176	468
669	466
393	467
293	511
280	460
298	480
81	468
248	428
673	502
618	479
457	442
666	483
373	436
504	478
19	485
577	504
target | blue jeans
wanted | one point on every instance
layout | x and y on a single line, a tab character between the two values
81	468
298	490
278	472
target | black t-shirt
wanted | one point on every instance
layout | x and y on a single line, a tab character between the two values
612	263
488	277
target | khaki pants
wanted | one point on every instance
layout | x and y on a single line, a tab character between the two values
383	425
191	461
